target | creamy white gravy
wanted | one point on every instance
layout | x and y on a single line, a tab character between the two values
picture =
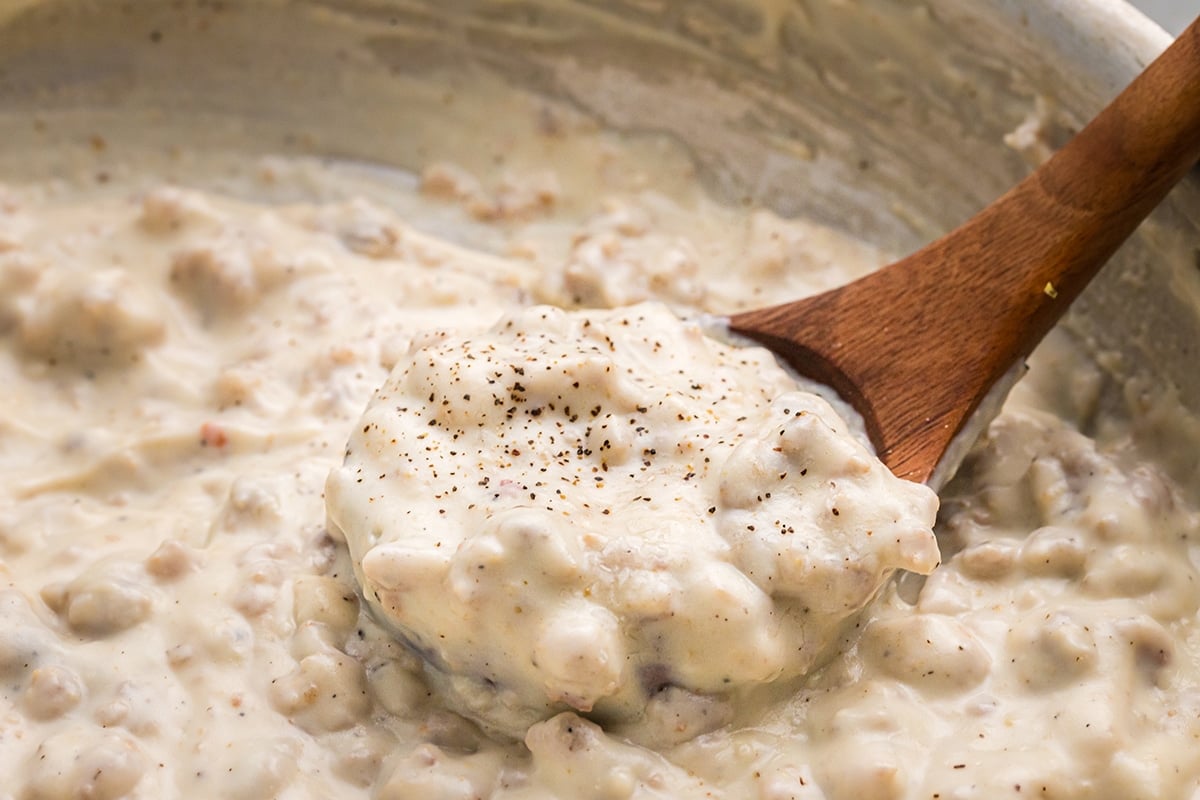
185	368
613	513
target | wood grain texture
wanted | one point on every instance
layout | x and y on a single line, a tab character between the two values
916	345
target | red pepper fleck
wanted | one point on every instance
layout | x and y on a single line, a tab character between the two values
212	435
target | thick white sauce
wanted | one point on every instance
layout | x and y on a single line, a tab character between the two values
605	511
184	370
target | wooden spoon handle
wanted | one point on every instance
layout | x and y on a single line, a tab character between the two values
917	345
1091	195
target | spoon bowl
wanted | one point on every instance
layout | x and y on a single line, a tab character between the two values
921	345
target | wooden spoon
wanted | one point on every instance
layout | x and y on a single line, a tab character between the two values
917	346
